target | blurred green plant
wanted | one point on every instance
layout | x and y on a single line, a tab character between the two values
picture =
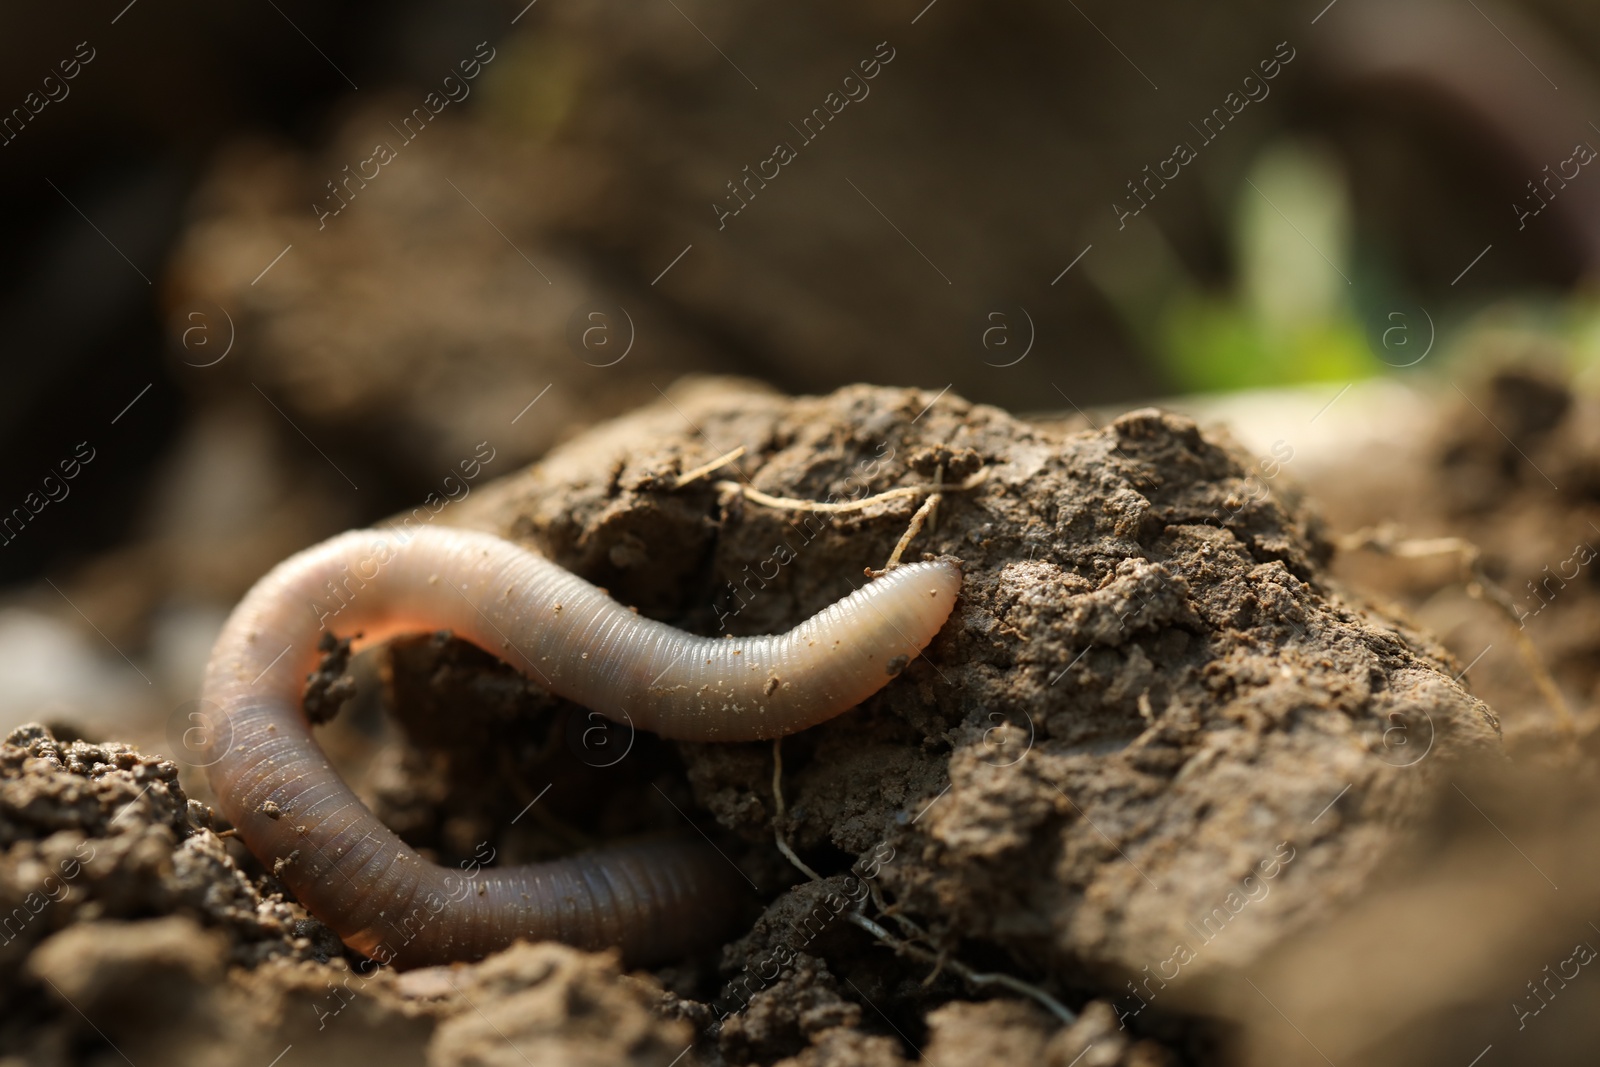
1292	315
1294	312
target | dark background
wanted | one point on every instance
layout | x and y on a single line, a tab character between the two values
997	141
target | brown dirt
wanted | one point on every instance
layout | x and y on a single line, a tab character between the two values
1461	945
1155	744
1515	471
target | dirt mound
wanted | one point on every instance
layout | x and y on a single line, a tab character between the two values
1153	742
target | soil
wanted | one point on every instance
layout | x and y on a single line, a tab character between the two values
1155	744
1191	759
1461	944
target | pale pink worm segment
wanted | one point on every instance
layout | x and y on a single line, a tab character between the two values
656	901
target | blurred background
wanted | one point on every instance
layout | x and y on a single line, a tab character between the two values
276	269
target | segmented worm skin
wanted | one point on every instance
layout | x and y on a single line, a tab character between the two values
656	901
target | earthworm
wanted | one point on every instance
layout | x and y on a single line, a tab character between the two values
655	901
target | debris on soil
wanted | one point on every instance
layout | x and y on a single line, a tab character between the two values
330	685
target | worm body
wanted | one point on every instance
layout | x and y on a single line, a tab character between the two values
655	901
